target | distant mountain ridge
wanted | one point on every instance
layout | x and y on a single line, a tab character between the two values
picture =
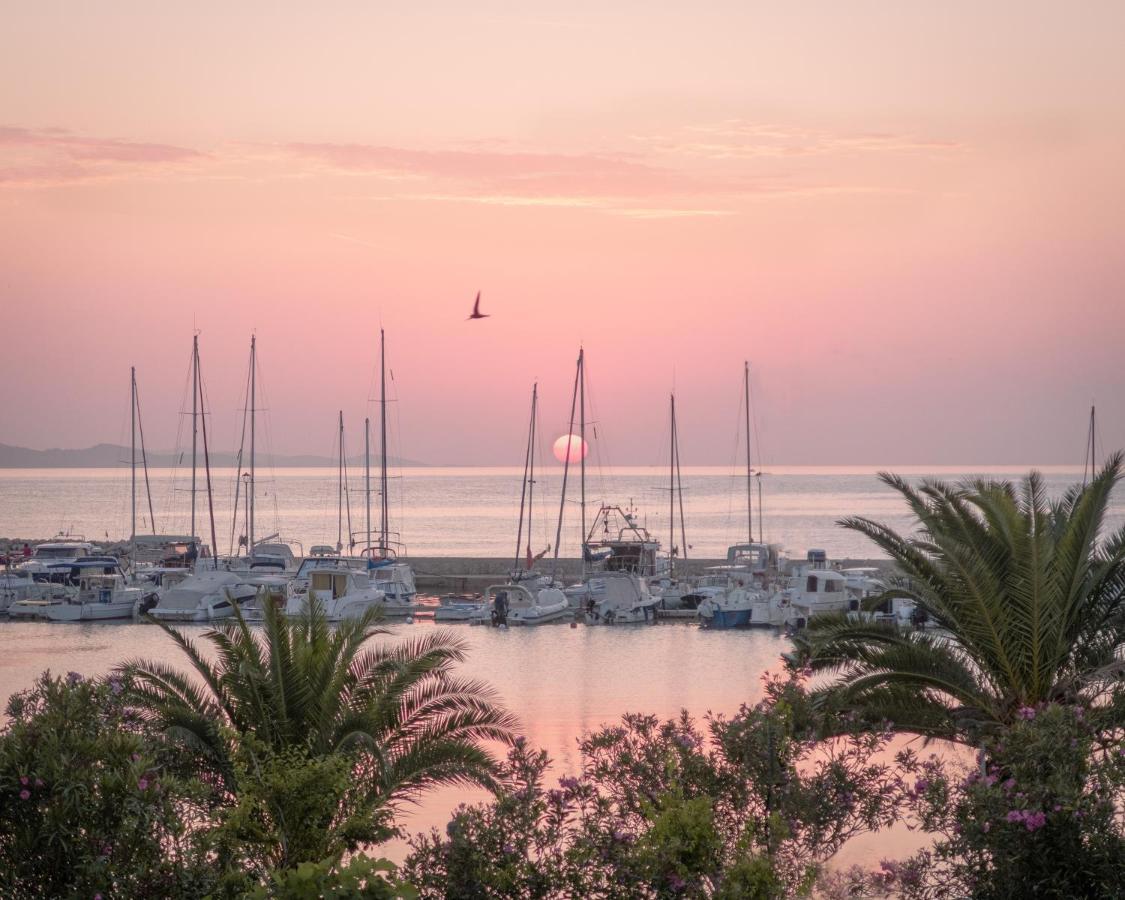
105	456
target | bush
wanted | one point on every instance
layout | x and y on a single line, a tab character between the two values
751	809
1041	819
86	808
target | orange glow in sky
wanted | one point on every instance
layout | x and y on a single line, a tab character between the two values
908	217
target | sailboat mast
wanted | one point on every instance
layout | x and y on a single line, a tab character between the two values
340	489
1089	461
206	462
582	446
367	477
672	491
144	455
384	522
527	469
133	460
566	472
749	471
680	491
531	467
194	421
250	498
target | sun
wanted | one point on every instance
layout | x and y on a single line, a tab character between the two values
577	448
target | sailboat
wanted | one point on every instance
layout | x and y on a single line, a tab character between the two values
621	555
739	595
390	574
267	555
529	598
203	592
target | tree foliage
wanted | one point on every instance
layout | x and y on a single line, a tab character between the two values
1028	603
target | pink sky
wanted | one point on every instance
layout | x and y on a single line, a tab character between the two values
908	217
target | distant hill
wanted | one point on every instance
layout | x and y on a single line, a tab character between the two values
102	456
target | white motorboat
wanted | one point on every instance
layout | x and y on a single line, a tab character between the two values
56	557
526	603
99	596
618	598
14	586
201	596
339	592
812	589
456	608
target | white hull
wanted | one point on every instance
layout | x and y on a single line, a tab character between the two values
539	615
91	612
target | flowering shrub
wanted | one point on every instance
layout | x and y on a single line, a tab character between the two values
749	808
85	808
1042	817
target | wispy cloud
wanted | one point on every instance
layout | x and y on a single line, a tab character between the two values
737	139
57	156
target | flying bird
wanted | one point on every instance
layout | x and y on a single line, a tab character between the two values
477	314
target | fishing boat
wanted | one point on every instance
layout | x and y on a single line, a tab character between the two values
100	594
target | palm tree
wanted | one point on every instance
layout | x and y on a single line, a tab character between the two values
1029	604
397	711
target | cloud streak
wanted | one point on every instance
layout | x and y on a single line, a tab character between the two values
56	156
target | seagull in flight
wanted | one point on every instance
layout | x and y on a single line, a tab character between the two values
477	314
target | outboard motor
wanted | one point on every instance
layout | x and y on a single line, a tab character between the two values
500	609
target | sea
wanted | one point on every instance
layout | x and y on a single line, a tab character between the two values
561	681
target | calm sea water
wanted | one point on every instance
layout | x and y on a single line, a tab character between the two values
560	681
473	511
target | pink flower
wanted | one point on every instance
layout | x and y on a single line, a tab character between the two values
143	784
39	782
25	794
1027	713
23	780
1035	821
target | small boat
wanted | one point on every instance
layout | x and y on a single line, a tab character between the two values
526	603
201	596
339	592
813	588
14	586
100	595
619	598
461	608
56	556
738	594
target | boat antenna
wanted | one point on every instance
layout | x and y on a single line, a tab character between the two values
566	470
